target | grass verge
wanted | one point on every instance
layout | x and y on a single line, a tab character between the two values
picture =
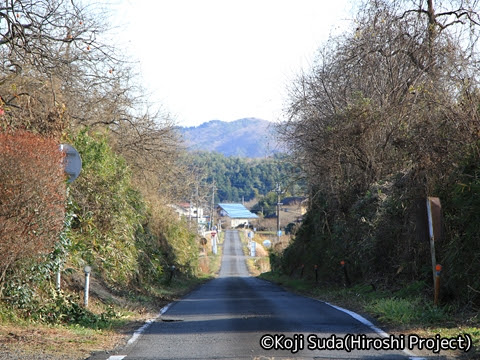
28	338
256	264
401	312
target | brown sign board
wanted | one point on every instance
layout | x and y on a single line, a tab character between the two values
435	223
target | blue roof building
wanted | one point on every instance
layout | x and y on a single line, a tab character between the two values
238	214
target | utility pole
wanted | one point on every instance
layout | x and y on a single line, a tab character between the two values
197	205
189	211
278	191
212	217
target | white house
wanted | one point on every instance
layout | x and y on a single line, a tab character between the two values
189	211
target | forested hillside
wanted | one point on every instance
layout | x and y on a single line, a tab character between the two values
250	137
387	116
239	179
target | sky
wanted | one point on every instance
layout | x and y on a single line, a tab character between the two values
224	60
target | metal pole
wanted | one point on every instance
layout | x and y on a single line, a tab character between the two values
278	212
87	270
213	207
189	211
58	279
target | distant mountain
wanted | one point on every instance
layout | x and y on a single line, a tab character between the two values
249	137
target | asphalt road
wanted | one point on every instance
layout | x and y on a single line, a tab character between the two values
228	317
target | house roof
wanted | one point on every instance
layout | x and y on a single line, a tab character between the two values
237	211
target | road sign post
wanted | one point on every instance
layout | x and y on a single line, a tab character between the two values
72	164
434	229
279	233
214	242
253	248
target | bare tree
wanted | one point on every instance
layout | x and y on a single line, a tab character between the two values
57	74
398	92
45	47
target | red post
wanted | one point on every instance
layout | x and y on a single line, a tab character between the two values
347	279
438	270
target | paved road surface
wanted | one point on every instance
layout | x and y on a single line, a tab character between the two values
227	317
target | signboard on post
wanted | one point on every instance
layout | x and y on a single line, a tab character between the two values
434	228
72	166
72	161
434	211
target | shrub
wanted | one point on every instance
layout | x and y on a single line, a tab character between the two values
32	196
108	212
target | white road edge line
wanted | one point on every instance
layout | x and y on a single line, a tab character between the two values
149	322
356	316
379	331
140	331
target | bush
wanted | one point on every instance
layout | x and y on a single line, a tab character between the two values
127	238
108	212
63	308
460	252
176	242
32	196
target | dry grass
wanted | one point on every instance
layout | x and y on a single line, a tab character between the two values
261	262
57	342
29	340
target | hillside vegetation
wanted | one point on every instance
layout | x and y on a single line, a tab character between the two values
238	179
249	137
387	116
60	84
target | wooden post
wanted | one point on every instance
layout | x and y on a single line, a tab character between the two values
347	279
432	235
